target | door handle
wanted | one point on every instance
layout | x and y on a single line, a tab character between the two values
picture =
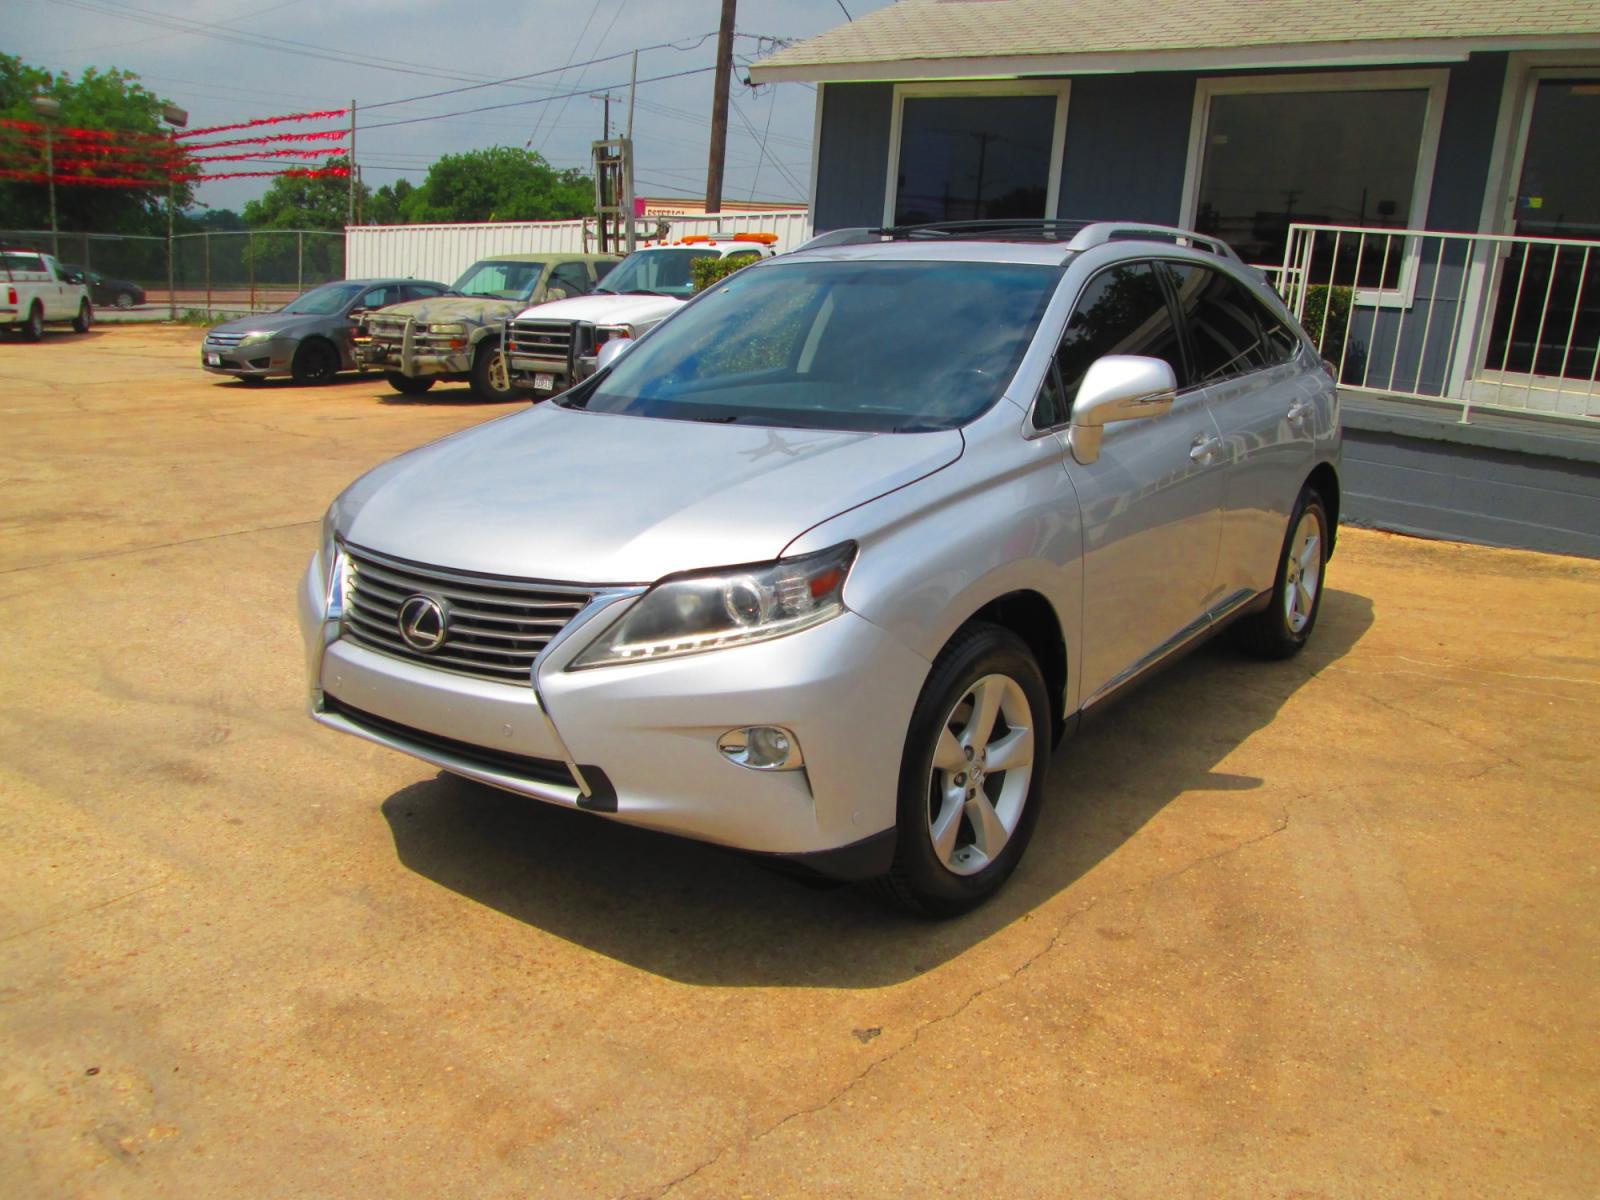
1203	447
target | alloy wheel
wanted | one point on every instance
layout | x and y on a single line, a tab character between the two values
1303	572
982	771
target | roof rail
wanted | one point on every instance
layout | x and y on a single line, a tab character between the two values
1101	232
841	237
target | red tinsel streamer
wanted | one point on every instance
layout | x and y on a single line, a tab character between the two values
100	181
249	154
76	180
325	114
326	135
294	173
88	135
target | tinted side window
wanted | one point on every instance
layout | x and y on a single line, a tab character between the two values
573	276
1123	311
380	297
420	291
602	269
1222	315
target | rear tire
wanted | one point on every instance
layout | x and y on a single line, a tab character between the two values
124	300
1282	628
406	385
315	363
84	319
33	327
489	372
969	795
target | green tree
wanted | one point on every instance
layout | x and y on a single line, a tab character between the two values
110	100
295	202
387	205
501	183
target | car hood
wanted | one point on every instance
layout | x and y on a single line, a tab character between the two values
276	323
475	309
606	310
560	494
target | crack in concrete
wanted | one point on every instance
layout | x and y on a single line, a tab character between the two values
916	1035
83	912
207	537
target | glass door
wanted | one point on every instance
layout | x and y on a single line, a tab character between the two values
1547	312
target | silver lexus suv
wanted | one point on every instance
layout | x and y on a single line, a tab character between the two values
825	565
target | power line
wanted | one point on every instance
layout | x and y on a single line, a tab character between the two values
584	70
467	112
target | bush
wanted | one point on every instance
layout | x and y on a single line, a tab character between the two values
1337	303
707	271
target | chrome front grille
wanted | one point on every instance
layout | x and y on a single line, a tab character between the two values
543	341
494	629
224	339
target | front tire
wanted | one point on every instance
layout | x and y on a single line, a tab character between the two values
490	380
315	363
33	327
84	319
408	385
124	300
1282	629
972	774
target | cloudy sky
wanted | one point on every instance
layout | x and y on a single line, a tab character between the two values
230	60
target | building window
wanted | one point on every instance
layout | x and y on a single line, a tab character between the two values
960	154
1352	150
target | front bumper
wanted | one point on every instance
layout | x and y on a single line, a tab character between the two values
261	359
643	737
415	355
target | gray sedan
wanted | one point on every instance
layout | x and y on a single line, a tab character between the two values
310	339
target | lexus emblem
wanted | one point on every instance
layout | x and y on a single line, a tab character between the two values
424	621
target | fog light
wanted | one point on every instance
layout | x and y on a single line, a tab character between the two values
762	748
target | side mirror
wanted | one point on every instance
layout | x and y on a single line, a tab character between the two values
610	351
1118	387
75	277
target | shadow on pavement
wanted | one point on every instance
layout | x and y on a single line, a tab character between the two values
700	915
456	395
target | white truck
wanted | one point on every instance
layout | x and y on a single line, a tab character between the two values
550	347
37	290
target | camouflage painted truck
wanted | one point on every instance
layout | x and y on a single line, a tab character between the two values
457	336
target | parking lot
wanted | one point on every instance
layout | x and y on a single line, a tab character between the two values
1321	928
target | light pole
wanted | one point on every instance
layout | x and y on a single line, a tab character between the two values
177	118
49	108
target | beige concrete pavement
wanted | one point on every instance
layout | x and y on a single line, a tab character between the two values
1323	928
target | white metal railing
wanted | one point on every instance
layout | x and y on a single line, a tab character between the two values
1493	321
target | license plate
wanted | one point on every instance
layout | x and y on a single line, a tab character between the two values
544	383
213	360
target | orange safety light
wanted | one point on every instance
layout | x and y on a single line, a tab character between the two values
766	239
693	238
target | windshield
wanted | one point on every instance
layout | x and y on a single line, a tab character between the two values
325	300
876	346
500	280
662	272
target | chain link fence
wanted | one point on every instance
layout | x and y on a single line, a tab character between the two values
213	275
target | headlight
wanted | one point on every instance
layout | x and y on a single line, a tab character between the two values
447	328
605	333
252	339
734	606
335	569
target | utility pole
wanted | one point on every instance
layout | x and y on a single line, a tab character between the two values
49	109
627	167
350	218
719	109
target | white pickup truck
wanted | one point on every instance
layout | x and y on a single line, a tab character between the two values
37	289
550	347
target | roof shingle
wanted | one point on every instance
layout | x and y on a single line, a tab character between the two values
933	30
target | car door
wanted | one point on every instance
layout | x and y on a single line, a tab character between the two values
1151	504
1248	366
